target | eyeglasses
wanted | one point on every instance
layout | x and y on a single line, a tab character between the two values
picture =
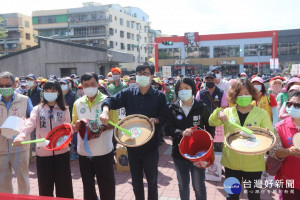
5	86
143	74
50	114
290	104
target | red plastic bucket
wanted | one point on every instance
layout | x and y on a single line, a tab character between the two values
199	141
59	137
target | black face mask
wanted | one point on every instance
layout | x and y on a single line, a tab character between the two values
210	85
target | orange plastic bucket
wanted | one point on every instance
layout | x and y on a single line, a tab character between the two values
59	137
199	142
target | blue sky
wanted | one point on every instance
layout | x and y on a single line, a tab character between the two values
175	17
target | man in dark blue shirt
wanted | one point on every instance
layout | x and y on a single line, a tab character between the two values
150	102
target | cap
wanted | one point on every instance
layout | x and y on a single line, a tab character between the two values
53	77
101	77
295	87
31	76
116	69
243	74
258	79
197	78
216	68
278	78
74	76
109	74
210	75
64	80
293	80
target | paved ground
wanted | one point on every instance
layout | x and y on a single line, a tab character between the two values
167	181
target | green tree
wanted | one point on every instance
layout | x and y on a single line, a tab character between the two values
3	31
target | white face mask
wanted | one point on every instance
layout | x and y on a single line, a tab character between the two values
258	87
30	83
185	95
50	96
143	81
133	85
116	77
64	87
90	91
110	78
218	76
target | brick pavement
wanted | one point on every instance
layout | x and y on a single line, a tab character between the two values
167	181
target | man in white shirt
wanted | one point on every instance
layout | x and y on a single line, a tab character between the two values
220	83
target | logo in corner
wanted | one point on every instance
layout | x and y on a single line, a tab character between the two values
232	186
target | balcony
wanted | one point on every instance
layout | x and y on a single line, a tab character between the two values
86	23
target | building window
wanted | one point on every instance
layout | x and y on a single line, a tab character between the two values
111	31
115	18
116	31
46	19
98	30
145	39
133	58
128	23
27	35
27	24
251	49
122	46
128	35
170	53
128	47
116	43
201	52
132	36
121	21
132	24
67	71
137	37
227	51
289	48
80	31
122	34
110	18
111	44
145	29
137	26
132	47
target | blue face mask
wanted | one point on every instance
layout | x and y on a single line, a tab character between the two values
50	96
185	95
293	112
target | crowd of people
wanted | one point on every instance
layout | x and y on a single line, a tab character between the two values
173	104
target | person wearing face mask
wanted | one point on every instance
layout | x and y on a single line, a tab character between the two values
22	88
100	148
242	167
13	104
70	97
276	85
132	82
285	151
109	78
53	167
211	95
219	81
144	100
283	112
170	96
265	100
181	116
171	84
283	96
34	92
117	84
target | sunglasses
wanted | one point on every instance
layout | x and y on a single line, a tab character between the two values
290	104
5	86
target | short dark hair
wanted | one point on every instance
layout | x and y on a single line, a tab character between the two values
188	81
54	84
8	75
294	94
236	88
145	66
88	76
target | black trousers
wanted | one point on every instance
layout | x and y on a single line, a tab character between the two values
248	177
55	170
148	164
102	167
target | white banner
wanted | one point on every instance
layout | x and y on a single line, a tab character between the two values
167	72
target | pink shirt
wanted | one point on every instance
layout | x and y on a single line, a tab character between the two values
282	113
39	119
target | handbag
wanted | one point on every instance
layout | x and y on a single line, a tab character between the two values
273	165
211	99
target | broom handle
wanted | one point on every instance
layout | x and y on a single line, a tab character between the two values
122	129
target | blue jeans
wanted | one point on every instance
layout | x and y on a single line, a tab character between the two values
149	165
183	170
